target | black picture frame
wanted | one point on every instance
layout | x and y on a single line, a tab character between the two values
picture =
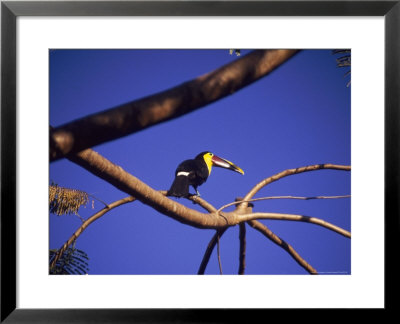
10	10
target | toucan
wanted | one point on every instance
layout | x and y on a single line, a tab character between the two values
196	171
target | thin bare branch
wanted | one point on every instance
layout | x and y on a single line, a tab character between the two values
242	250
89	221
293	217
286	173
219	253
206	205
140	114
98	199
210	248
263	229
281	197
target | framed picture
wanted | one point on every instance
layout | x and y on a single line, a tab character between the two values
79	67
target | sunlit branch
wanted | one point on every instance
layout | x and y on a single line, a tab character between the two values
284	245
89	221
201	202
196	200
126	182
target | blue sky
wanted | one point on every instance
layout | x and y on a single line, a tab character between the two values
298	115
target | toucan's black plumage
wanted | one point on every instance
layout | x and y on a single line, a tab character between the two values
196	171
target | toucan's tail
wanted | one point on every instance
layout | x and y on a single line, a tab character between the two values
180	187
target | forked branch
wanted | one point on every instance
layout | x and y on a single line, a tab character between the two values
263	229
115	175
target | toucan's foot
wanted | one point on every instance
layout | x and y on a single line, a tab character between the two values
192	197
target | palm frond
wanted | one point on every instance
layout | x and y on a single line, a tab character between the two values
344	61
73	261
65	200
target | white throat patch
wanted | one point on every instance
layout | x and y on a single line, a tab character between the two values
182	173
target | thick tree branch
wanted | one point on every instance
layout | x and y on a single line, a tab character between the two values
140	114
124	181
287	247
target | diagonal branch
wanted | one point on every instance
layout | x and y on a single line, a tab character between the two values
293	217
206	205
287	247
172	103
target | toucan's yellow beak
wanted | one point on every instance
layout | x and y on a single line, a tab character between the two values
222	163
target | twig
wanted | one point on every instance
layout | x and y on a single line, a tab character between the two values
292	217
206	205
242	251
98	199
281	197
210	248
289	172
219	254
